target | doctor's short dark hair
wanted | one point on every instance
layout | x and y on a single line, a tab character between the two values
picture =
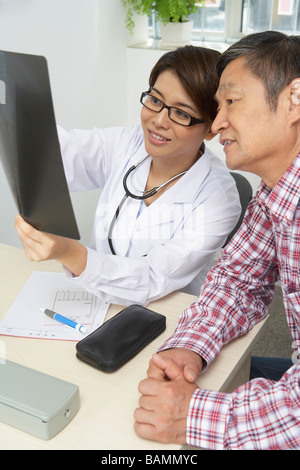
196	69
271	56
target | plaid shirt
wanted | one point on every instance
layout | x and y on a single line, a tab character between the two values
260	414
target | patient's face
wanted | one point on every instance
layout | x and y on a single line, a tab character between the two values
252	134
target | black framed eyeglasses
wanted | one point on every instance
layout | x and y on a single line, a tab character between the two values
175	114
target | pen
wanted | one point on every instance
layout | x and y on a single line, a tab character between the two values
64	320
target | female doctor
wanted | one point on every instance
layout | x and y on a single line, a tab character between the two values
167	203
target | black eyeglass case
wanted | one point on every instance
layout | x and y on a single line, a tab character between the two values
120	338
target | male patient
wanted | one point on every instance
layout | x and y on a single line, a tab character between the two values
259	125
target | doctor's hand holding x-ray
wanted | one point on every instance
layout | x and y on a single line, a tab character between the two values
41	246
167	203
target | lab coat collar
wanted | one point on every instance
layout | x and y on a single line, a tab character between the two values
186	189
184	192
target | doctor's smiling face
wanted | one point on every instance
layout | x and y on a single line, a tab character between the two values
165	138
187	79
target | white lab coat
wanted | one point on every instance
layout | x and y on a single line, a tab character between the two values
170	244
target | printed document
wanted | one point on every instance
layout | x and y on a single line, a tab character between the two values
53	291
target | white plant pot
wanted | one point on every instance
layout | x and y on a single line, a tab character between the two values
176	34
140	32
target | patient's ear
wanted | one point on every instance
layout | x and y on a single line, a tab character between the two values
295	92
293	96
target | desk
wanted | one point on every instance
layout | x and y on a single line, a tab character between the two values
105	419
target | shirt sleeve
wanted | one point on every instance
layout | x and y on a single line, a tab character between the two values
167	267
89	156
236	293
260	415
170	264
178	251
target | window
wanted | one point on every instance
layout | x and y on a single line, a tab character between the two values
277	15
219	20
228	20
209	22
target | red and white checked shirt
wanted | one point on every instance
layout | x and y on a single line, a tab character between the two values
260	414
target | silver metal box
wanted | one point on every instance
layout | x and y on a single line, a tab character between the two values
35	402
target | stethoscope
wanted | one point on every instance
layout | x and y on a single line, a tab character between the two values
128	193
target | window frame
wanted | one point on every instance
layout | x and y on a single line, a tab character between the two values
295	20
233	23
233	30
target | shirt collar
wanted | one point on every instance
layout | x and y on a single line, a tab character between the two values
284	198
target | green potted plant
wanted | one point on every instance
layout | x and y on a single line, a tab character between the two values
175	11
167	12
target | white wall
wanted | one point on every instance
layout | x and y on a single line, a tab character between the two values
84	42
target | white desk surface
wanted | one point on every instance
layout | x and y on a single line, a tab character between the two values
108	400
